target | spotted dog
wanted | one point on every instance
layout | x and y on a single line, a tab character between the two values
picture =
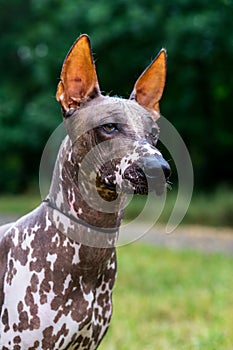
58	263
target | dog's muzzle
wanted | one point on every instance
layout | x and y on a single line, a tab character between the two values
154	167
148	174
157	172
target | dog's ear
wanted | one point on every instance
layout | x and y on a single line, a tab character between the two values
78	81
148	89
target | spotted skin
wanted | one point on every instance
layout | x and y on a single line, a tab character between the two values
57	275
56	293
54	298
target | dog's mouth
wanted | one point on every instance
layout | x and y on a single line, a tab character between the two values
136	179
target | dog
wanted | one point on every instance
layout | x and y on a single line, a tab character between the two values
58	263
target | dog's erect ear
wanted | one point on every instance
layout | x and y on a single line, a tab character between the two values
149	87
79	81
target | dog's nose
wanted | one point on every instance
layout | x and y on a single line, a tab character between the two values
154	166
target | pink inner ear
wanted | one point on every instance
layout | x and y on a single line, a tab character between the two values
149	87
78	77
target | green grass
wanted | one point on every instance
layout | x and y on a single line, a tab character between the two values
18	205
214	209
168	300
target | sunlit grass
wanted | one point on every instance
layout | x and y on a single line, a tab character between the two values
18	205
171	300
215	208
166	300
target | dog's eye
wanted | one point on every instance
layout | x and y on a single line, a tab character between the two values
109	128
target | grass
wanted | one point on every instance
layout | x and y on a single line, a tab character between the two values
18	205
168	300
219	213
214	209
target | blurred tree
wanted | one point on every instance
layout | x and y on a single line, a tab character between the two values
126	35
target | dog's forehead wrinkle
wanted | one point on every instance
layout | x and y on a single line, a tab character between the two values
108	111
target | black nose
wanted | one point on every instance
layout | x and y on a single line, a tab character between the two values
153	167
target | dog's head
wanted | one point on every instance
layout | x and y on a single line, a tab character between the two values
113	140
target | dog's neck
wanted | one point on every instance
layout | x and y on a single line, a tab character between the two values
65	193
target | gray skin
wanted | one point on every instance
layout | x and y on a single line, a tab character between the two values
55	290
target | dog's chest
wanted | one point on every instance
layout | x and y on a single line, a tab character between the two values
52	298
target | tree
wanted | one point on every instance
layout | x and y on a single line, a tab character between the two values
125	35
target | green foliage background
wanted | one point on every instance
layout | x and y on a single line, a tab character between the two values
125	35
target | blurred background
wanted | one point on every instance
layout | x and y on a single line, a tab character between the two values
125	35
167	297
